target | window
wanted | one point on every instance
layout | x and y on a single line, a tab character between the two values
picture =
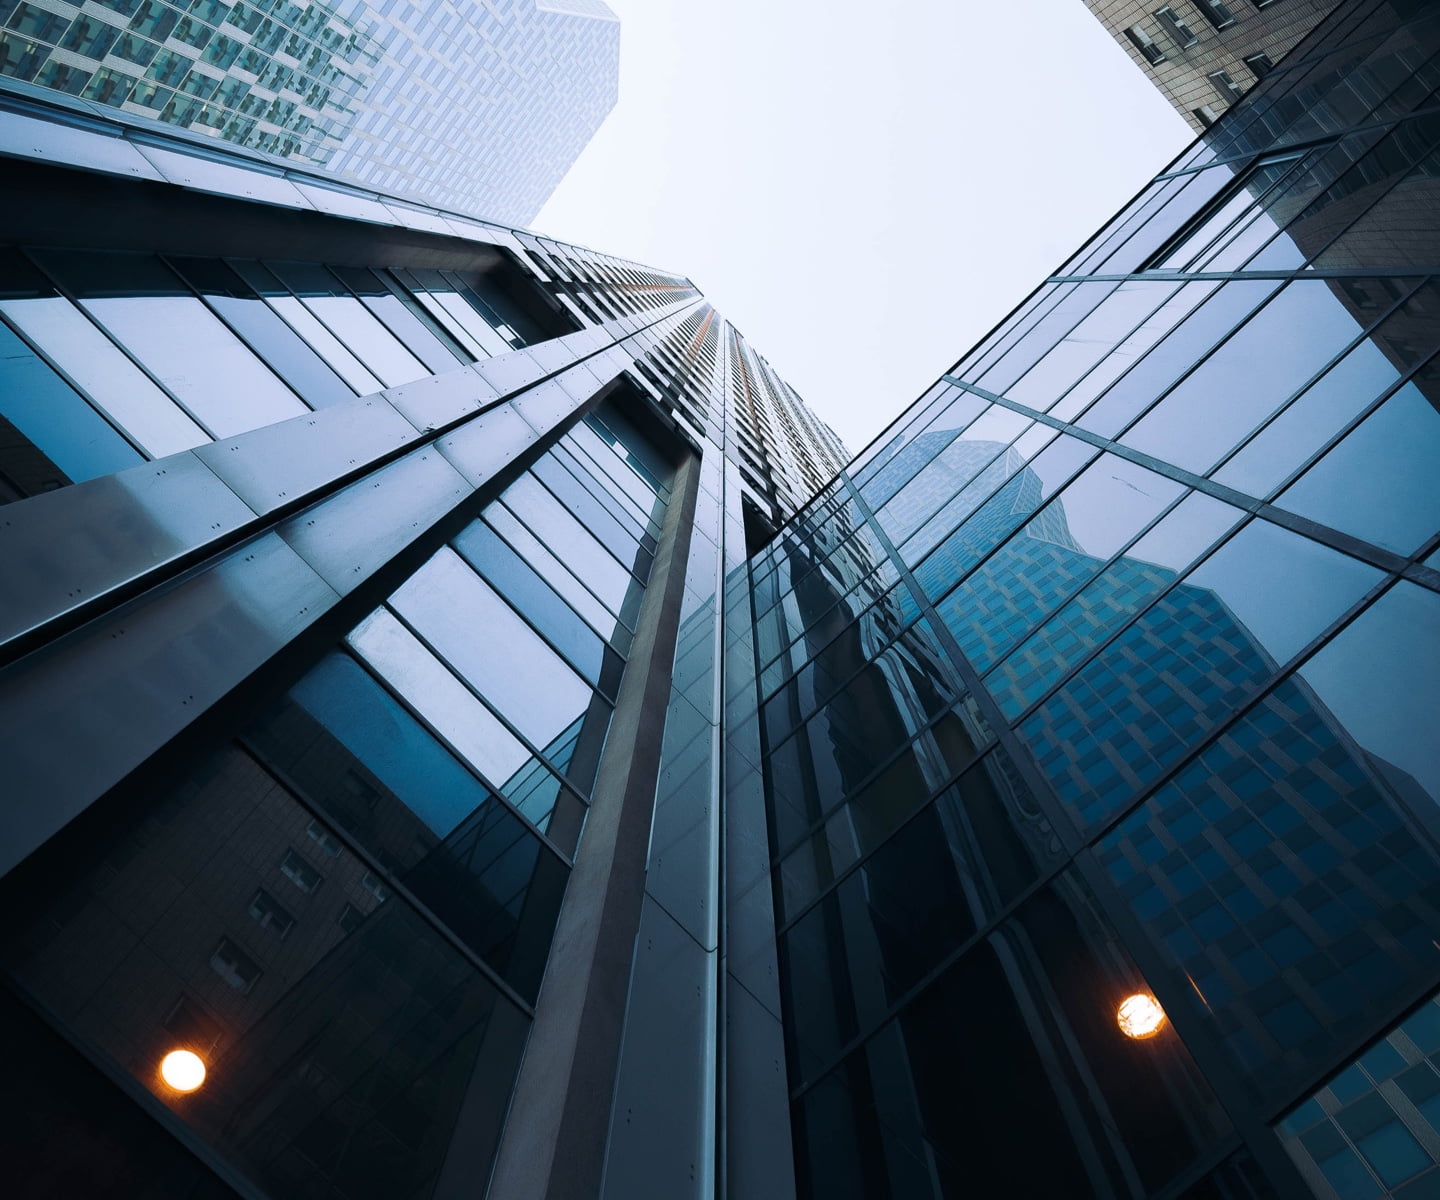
1144	43
1175	25
1228	89
266	911
1216	13
234	966
1260	65
372	884
1206	114
351	918
300	873
327	840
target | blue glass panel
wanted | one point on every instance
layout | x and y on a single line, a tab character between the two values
54	418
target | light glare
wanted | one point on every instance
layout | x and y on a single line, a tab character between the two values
1140	1016
183	1070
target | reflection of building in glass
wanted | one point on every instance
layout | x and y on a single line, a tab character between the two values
471	106
518	763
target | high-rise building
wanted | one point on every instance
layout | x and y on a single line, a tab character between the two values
476	107
452	693
1204	54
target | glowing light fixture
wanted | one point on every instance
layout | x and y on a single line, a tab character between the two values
1140	1016
183	1070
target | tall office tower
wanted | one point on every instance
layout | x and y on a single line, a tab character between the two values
479	107
361	705
441	761
1204	54
1099	697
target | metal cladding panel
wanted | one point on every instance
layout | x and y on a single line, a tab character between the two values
67	547
203	174
662	1123
344	204
683	869
747	845
438	400
759	1157
750	947
554	354
508	373
49	141
75	718
415	218
277	464
359	529
482	447
546	406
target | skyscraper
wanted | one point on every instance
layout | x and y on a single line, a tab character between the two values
470	106
453	694
1204	54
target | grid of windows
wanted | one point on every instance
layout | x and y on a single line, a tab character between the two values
1130	622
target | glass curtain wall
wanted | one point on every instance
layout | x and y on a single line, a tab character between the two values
345	913
111	359
1103	683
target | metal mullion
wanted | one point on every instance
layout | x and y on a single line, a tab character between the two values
586	483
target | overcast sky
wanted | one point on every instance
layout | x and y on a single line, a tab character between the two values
864	189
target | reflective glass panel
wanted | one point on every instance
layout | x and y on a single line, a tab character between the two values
74	441
1379	482
486	643
1248	378
337	1058
117	386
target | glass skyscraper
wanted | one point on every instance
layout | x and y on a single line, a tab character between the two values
480	107
466	731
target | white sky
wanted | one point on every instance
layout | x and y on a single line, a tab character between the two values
864	189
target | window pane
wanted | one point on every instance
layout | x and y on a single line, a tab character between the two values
1239	386
199	360
118	387
52	416
1379	483
481	638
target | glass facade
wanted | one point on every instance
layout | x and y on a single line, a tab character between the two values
1107	671
453	688
475	107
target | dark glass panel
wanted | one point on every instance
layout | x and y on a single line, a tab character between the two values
1279	872
1032	1009
342	1065
1380	677
1368	1130
352	750
72	440
1187	661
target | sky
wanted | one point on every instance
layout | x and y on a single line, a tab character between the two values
863	189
